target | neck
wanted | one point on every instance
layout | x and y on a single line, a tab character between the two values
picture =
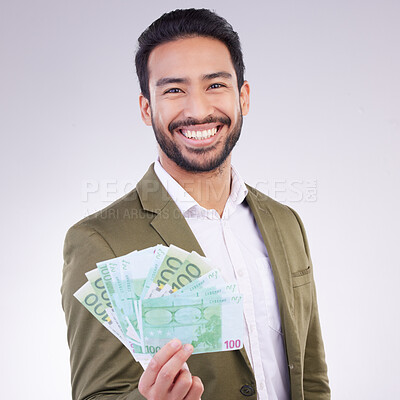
210	189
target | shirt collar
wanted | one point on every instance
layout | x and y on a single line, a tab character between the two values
189	206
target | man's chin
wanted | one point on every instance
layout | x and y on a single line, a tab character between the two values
201	166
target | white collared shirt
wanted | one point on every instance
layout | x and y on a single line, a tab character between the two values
234	244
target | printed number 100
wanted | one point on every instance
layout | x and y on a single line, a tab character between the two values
233	344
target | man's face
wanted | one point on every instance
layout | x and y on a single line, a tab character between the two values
195	106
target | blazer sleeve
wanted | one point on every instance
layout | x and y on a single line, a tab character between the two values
101	367
315	374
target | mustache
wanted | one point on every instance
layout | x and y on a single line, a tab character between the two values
192	121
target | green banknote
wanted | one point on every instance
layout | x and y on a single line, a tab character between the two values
115	268
210	324
193	267
135	268
110	274
126	269
224	289
211	278
148	297
157	259
97	283
171	263
87	296
143	262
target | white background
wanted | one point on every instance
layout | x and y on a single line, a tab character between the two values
324	113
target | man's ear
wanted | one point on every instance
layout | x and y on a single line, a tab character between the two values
145	109
245	97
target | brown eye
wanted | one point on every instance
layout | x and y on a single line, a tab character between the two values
216	86
173	90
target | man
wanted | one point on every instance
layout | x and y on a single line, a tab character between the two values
194	95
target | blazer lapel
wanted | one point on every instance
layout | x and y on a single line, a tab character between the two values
168	221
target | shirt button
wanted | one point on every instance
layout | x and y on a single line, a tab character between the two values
291	366
240	272
247	390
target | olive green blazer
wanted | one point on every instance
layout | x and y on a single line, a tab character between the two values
102	368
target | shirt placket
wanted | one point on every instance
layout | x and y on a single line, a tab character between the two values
242	275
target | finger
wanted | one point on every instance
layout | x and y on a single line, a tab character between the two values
196	390
185	366
149	376
171	369
182	384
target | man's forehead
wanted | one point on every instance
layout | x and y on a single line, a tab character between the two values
189	58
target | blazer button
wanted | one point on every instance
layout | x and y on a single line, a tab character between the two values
247	390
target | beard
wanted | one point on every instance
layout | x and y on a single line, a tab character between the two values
209	161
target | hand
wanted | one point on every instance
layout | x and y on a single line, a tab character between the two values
167	376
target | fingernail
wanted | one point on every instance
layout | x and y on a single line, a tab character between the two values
176	344
188	348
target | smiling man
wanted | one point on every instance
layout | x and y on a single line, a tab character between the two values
194	104
195	107
193	94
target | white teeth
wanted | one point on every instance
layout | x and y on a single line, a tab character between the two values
198	135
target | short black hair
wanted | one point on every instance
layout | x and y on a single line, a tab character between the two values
183	23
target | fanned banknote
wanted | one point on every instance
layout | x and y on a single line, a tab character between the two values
148	297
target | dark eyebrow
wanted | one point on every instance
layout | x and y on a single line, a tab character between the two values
168	81
215	75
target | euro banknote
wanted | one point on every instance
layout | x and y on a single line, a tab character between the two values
148	297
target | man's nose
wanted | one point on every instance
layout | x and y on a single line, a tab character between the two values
198	106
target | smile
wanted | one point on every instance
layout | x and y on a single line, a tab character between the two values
200	134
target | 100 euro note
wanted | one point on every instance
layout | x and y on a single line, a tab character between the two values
171	262
124	311
124	279
193	267
210	322
97	305
189	288
211	278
